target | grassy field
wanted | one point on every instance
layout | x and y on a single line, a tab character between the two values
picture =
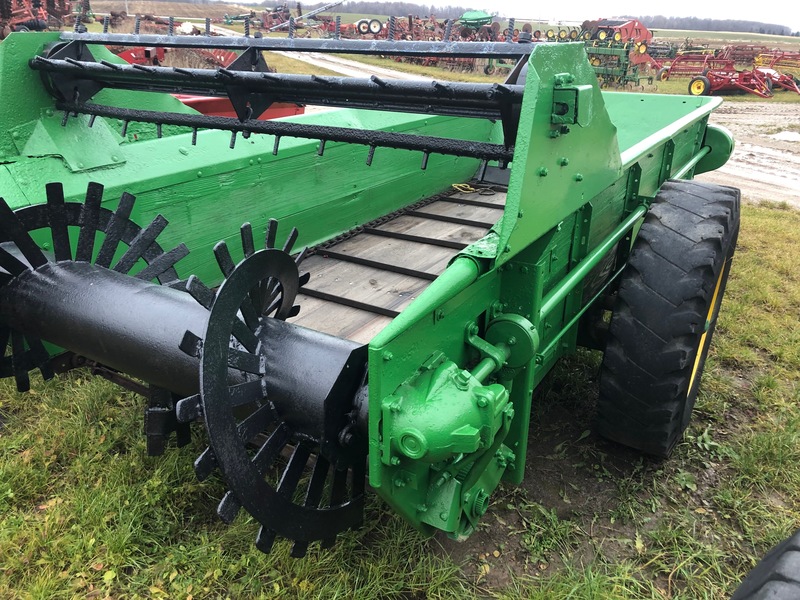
85	513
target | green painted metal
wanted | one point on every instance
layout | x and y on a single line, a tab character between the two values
206	191
475	19
452	377
612	64
586	166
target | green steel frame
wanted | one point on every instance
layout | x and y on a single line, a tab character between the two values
451	378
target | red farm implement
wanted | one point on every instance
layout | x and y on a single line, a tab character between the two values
785	62
618	30
630	34
760	82
692	65
780	81
742	54
31	15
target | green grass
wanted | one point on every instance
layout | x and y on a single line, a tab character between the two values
85	513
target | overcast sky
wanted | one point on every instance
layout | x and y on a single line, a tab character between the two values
787	13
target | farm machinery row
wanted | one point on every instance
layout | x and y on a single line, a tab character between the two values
32	15
374	326
735	69
761	82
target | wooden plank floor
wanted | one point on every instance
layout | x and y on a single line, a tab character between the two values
359	285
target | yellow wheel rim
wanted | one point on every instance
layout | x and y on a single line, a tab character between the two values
698	87
704	339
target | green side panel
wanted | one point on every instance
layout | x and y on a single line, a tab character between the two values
208	190
586	166
557	167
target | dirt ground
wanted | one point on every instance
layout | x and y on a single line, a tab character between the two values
766	160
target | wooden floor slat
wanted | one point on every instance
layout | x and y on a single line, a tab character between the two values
383	288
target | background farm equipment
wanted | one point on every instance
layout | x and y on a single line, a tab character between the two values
785	62
31	15
606	41
759	81
741	54
158	55
375	323
475	19
281	17
617	30
692	65
613	64
780	81
231	19
717	81
662	50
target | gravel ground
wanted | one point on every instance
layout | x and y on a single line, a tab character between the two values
766	161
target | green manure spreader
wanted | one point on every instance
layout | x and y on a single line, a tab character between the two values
363	296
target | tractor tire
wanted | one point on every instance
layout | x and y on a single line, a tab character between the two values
363	27
776	576
488	70
603	34
664	315
375	26
662	74
700	86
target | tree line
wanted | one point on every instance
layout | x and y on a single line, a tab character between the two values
695	24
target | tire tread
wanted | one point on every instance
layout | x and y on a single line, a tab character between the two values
664	297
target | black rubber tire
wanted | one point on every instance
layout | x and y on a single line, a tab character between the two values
664	315
776	576
663	74
363	27
699	86
375	26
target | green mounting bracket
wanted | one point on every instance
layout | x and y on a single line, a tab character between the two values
572	104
